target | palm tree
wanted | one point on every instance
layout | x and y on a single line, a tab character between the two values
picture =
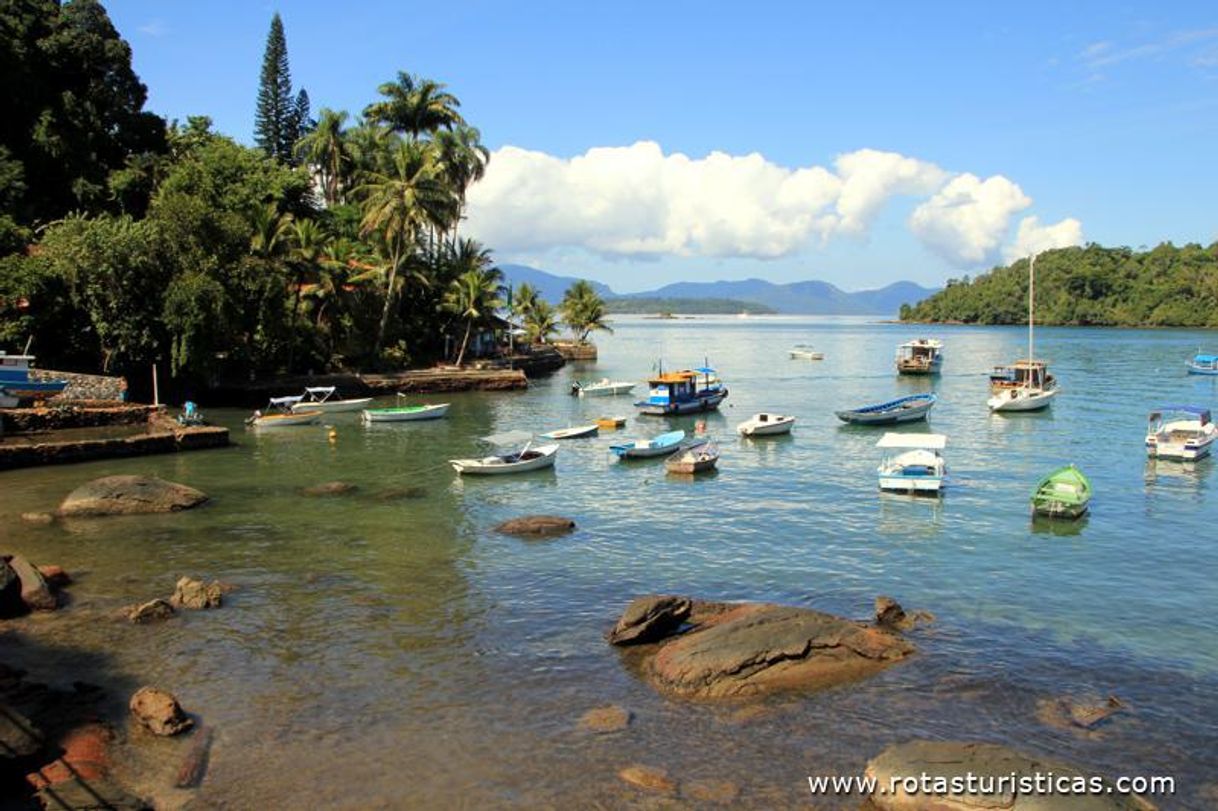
540	322
583	310
371	146
477	292
309	243
397	206
524	300
325	148
464	159
271	229
414	106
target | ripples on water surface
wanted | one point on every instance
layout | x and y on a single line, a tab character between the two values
386	649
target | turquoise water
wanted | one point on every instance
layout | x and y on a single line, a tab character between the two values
386	648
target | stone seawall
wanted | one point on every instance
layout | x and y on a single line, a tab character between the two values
66	414
163	435
574	351
84	387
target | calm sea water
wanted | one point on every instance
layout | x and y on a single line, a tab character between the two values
387	649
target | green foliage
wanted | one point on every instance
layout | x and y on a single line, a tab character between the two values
415	107
1093	285
583	310
279	118
541	321
477	292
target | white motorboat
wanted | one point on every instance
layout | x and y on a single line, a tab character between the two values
912	463
1184	433
405	413
766	424
317	398
805	352
523	460
922	356
572	433
644	448
280	414
1025	385
602	388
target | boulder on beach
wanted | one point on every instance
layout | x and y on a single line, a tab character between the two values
129	495
942	762
329	489
536	526
151	611
650	618
35	592
746	649
611	718
159	712
195	594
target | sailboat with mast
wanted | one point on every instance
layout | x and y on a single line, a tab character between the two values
1025	385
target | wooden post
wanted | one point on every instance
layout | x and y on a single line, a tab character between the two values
156	397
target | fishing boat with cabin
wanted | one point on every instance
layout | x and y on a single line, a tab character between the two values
1202	364
684	392
1025	385
1181	432
16	387
922	356
903	409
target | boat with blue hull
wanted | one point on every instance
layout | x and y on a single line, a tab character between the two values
1202	364
688	391
661	445
903	409
17	387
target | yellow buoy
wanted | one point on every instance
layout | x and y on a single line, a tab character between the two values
333	435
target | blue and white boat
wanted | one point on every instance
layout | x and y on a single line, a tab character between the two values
1181	432
903	409
685	392
661	445
917	468
1202	364
16	385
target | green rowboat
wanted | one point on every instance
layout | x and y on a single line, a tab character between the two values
1064	493
405	413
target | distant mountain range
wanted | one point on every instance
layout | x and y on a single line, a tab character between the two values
795	298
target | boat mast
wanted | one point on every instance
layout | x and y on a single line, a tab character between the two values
1031	304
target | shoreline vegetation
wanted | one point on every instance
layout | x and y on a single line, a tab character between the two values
1091	286
685	306
331	245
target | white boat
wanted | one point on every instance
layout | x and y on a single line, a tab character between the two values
1183	433
572	433
317	398
918	467
805	352
1026	385
602	388
523	460
766	424
645	448
921	356
280	414
405	413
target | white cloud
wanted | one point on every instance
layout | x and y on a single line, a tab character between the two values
1032	237
967	219
636	201
154	28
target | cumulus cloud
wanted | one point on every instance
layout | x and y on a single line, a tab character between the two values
1032	237
637	201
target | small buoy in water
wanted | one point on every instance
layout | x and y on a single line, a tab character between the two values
700	427
333	435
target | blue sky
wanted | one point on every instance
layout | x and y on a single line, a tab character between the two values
962	121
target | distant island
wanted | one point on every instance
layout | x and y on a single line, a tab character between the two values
1166	286
809	297
688	306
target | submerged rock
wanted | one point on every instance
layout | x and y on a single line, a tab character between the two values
750	648
129	495
330	489
35	592
10	591
18	736
650	618
38	518
611	718
396	493
721	792
159	711
151	611
55	576
986	762
194	765
195	594
537	526
1080	716
649	778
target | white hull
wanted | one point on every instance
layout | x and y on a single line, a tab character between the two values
431	412
1021	400
333	406
286	420
799	355
538	458
911	484
610	390
773	426
572	433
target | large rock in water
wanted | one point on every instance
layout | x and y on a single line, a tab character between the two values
536	526
10	591
650	618
943	761
130	495
751	648
35	592
159	711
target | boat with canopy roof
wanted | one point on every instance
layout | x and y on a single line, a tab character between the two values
279	414
317	398
1182	432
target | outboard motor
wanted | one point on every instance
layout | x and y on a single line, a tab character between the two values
575	388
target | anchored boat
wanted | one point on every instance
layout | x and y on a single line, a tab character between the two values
697	458
523	460
280	414
408	413
1026	385
644	448
766	424
572	433
1202	364
903	409
16	385
317	398
1180	432
685	392
912	463
923	356
602	388
1064	493
805	352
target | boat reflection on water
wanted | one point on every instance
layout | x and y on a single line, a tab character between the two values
1175	472
911	513
1062	527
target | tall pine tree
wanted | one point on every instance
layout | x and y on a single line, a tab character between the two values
275	128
